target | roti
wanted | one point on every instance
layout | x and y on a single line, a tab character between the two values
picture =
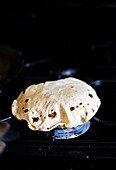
64	103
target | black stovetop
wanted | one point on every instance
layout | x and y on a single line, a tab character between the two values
94	147
89	53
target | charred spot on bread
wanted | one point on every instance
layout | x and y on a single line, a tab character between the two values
26	110
26	100
86	113
53	114
35	119
72	108
90	95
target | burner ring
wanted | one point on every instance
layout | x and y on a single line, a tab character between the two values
71	133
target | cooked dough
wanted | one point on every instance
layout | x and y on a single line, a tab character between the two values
64	103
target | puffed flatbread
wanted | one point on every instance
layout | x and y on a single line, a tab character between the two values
64	103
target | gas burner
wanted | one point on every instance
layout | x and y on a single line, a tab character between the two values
72	132
58	133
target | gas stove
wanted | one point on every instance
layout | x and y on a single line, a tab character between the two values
87	57
97	144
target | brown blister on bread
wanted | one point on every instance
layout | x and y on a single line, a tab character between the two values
53	114
35	119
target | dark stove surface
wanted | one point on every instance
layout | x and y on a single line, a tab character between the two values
97	145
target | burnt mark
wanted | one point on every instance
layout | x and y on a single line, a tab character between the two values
72	108
48	128
86	113
35	119
80	103
53	114
26	110
72	86
92	110
26	100
44	117
90	95
50	115
77	106
22	107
